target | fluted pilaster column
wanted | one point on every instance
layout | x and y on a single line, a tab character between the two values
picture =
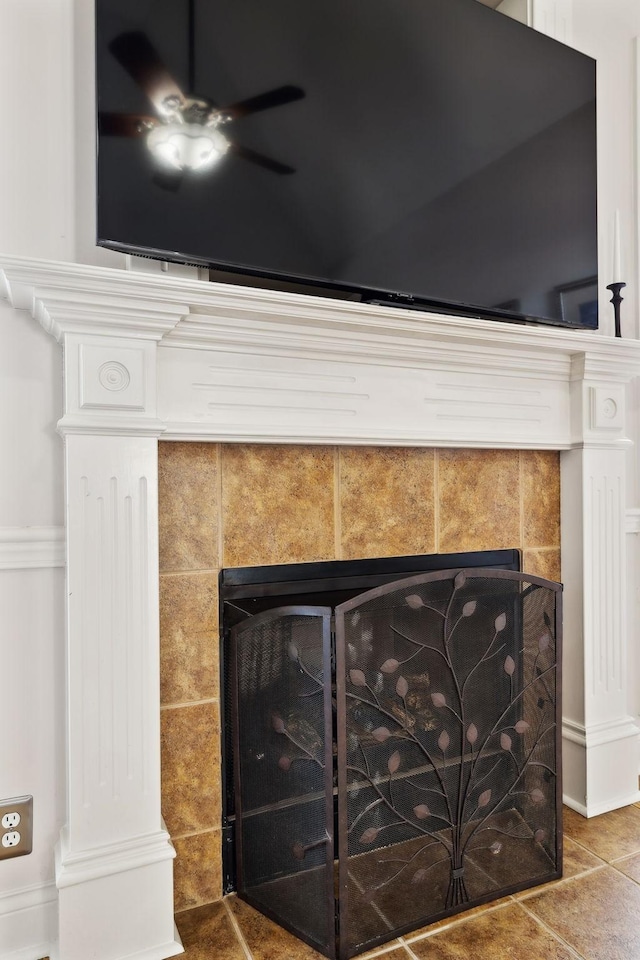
600	736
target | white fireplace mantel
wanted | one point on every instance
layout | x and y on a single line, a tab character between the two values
157	356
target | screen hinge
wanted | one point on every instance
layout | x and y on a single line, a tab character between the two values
332	632
229	858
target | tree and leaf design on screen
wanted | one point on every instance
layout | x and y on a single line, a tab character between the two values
439	765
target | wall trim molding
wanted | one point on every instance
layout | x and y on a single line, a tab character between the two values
633	520
112	858
31	548
29	915
597	734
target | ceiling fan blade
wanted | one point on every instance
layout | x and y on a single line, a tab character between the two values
139	58
124	125
170	180
274	165
265	101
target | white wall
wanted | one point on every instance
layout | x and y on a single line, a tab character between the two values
46	210
607	31
36	219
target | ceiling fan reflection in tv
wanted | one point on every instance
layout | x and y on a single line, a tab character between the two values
185	135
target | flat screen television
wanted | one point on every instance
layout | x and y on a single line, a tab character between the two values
431	153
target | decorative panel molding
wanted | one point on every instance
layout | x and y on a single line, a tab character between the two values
604	585
553	17
607	408
249	395
31	548
113	640
111	377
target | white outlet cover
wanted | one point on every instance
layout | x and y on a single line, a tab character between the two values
11	839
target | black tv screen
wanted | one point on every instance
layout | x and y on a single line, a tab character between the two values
427	152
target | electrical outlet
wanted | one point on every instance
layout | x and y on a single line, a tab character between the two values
16	827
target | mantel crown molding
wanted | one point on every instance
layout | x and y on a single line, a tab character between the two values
73	298
146	354
90	300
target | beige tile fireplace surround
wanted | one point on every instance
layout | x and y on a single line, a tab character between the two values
235	505
264	396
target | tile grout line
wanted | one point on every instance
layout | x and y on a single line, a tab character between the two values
238	932
554	884
521	498
192	906
625	856
337	504
220	511
589	850
197	571
542	888
621	872
551	932
456	920
374	954
436	499
196	833
407	948
188	703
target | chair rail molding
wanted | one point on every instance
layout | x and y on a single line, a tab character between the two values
24	548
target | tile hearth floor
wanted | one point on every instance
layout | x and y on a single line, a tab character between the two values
593	913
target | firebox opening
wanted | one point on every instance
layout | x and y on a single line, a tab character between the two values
390	724
247	591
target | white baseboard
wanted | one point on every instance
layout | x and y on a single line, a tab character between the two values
28	923
599	764
598	809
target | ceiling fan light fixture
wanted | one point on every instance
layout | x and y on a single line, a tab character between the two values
187	146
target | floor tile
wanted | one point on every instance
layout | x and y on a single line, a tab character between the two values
596	914
267	941
576	860
494	935
629	866
457	918
610	836
207	934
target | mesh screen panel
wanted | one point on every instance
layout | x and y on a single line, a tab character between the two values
284	768
448	784
442	717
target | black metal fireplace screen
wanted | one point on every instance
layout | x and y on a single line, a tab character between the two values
396	758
